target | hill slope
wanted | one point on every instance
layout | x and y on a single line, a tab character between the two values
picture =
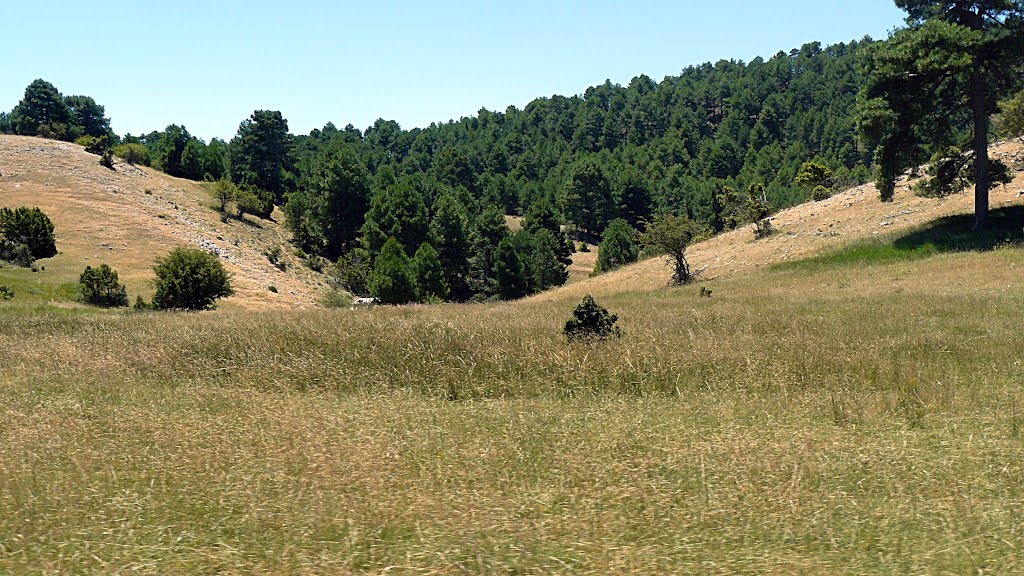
802	231
132	215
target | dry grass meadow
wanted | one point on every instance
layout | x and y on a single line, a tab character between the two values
860	412
852	419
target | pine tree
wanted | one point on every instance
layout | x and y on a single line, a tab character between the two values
618	246
339	193
509	273
397	211
955	59
488	232
260	153
393	280
430	281
449	233
43	107
588	196
549	269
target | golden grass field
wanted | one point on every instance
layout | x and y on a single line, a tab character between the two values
858	413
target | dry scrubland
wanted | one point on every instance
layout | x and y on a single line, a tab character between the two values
860	413
819	419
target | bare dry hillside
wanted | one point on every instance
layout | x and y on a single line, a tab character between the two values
804	230
130	216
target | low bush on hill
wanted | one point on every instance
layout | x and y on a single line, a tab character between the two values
100	287
189	279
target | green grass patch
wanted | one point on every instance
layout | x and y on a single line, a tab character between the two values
949	234
869	252
35	287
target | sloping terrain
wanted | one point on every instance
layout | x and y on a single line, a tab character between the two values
132	215
802	231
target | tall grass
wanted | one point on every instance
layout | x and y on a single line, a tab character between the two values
853	419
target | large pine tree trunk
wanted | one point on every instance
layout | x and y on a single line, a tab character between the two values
981	181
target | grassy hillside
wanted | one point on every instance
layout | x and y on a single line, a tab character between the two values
845	417
854	216
129	217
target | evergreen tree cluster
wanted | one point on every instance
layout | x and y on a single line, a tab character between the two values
420	214
615	154
45	112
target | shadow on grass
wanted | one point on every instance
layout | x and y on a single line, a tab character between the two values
954	233
948	234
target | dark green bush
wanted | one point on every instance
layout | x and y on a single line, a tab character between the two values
107	159
100	287
17	254
28	227
6	293
189	279
253	201
591	321
821	193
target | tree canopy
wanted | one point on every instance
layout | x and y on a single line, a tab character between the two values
932	86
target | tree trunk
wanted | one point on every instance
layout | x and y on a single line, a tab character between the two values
981	180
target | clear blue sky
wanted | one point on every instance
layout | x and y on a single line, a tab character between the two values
208	64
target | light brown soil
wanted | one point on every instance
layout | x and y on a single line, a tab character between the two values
130	216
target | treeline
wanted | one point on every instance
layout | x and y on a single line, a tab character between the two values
419	214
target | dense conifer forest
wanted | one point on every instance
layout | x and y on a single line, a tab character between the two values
703	144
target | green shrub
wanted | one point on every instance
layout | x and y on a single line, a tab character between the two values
334	298
591	321
189	279
351	273
671	235
274	255
100	287
107	159
140	305
6	293
821	193
99	146
29	227
225	192
17	254
85	141
253	201
133	153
